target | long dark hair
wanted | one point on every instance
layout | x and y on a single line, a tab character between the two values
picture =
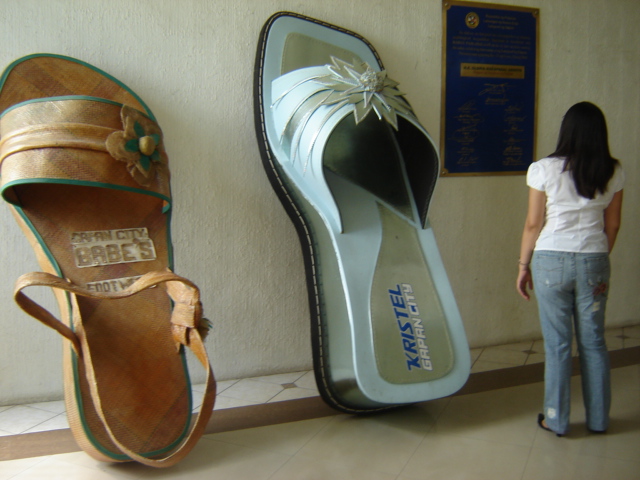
583	142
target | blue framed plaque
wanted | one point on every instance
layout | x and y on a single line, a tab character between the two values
490	69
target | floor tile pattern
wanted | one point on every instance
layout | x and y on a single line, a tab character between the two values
490	435
38	417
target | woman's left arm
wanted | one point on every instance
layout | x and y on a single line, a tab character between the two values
613	219
532	227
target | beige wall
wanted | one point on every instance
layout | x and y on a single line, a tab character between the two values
192	62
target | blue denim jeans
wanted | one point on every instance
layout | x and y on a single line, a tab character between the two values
571	289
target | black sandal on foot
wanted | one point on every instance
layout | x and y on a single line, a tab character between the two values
544	427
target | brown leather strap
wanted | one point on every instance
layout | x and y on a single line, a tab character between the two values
72	135
40	313
186	321
84	131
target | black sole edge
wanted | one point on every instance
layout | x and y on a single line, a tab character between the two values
300	223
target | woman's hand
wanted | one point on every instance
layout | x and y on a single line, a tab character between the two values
524	280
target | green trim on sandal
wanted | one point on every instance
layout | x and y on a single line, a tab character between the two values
11	66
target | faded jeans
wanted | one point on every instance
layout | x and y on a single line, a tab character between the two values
571	289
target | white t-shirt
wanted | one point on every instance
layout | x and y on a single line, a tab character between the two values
572	223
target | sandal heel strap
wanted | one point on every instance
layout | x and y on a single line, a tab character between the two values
188	328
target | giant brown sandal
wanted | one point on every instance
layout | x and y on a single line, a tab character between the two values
83	167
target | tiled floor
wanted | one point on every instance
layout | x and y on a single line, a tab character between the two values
40	417
485	435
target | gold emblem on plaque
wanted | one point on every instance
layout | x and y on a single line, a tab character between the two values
472	20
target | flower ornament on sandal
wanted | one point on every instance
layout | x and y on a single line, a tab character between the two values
139	145
330	89
365	88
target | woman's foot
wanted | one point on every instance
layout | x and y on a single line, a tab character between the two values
544	426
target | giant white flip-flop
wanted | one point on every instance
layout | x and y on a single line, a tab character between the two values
355	170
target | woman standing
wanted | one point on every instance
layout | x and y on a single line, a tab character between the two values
573	218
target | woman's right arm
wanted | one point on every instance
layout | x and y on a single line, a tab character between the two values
532	227
613	219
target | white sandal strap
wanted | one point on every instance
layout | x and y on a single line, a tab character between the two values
307	106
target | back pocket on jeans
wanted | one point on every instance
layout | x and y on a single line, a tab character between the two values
598	270
548	269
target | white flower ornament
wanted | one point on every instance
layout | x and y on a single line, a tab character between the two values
365	88
338	85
